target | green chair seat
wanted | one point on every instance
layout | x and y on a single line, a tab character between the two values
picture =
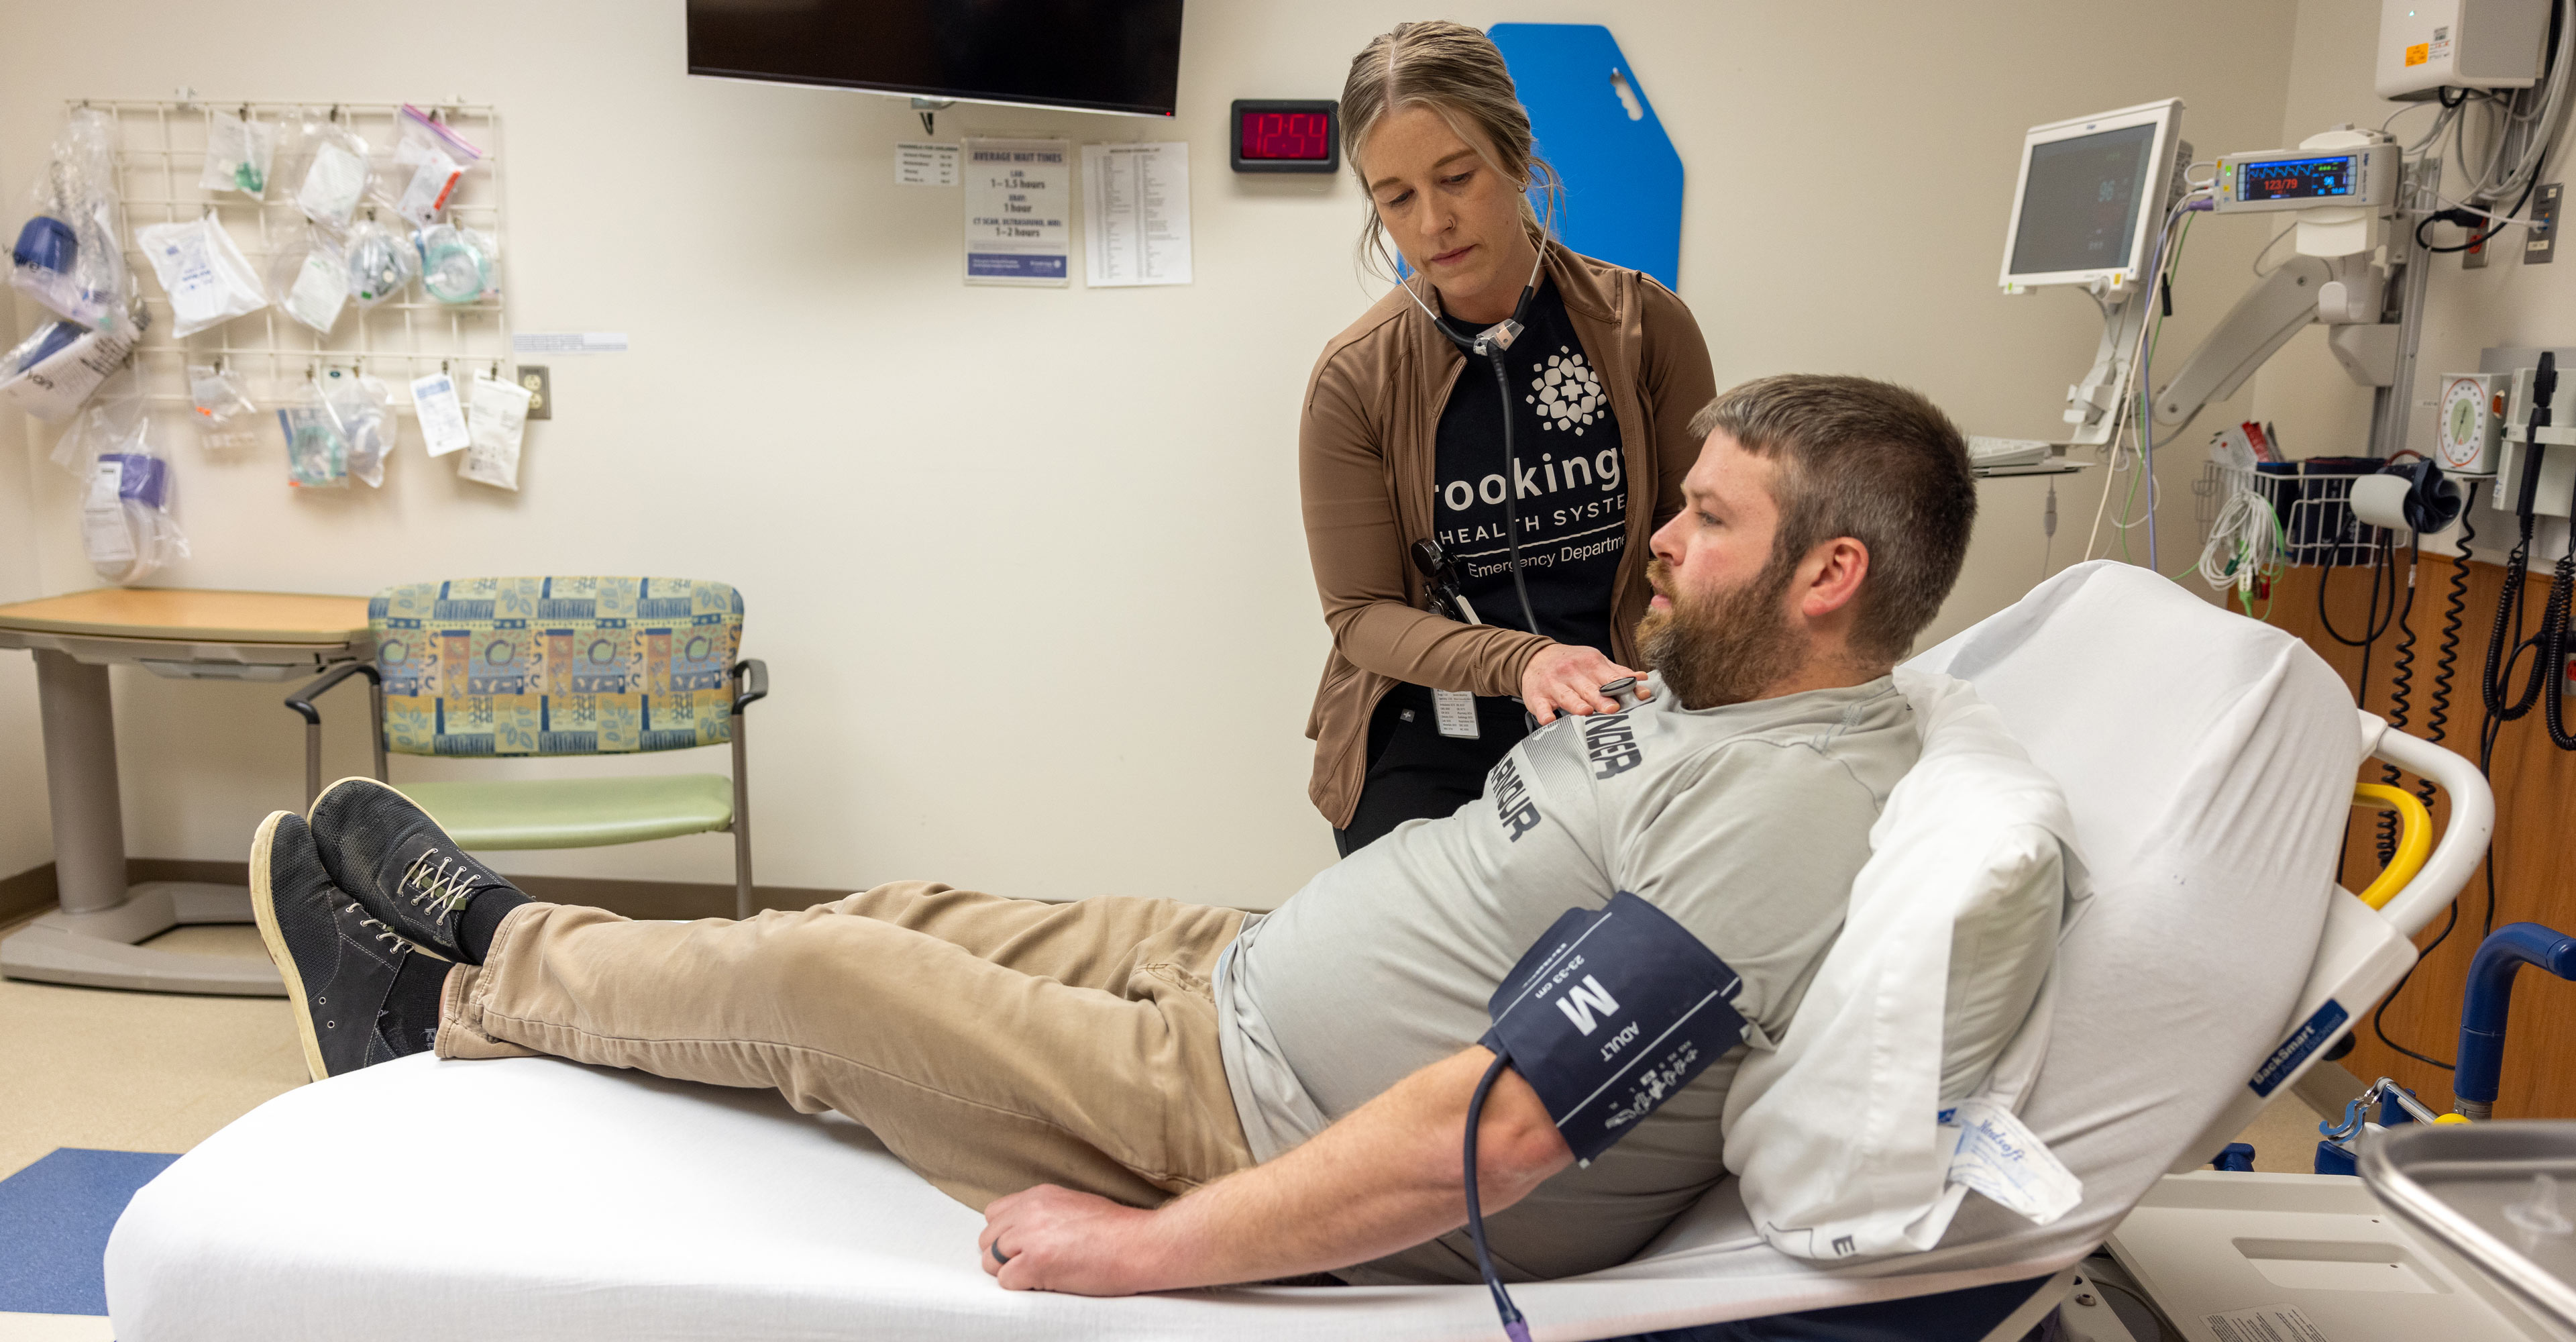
575	812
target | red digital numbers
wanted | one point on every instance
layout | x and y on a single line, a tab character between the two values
1297	135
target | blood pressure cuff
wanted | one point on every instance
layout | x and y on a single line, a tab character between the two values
1611	1014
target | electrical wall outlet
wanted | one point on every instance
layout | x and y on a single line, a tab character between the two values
2540	241
541	390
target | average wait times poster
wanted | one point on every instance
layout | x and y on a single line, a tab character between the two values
1016	210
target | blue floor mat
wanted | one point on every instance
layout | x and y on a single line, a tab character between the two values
54	1216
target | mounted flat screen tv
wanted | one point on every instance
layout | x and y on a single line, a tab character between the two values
1096	55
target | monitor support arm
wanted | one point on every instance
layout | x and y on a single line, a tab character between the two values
2092	404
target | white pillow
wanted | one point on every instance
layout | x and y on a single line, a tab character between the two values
1938	990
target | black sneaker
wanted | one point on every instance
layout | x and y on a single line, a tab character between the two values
397	863
338	963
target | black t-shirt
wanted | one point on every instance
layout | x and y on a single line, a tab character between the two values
1573	487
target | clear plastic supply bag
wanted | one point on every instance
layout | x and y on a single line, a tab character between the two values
381	263
227	422
326	165
497	419
358	409
429	160
206	276
127	531
54	370
310	276
457	265
239	153
317	453
68	255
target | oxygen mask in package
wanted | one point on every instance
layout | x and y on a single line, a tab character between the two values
380	263
456	264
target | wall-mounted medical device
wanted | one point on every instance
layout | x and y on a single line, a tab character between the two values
2472	423
2554	484
2426	46
1286	135
2302	179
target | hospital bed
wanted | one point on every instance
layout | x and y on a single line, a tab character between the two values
2209	764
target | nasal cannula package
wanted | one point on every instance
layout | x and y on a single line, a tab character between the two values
239	152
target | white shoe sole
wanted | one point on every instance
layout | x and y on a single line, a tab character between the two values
263	911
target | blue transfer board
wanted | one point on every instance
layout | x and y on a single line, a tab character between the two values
1623	178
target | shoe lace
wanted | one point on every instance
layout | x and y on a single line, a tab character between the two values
382	932
442	889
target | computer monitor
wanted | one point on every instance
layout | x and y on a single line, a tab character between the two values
2092	193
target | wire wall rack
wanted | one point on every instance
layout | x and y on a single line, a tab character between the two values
160	148
2318	528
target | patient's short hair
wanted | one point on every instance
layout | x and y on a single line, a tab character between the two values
1869	460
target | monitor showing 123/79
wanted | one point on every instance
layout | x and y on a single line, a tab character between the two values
2079	202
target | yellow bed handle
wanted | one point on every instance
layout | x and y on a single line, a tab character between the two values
2414	838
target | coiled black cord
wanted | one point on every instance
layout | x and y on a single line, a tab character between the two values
2372	626
2401	688
2455	605
2553	639
2504	643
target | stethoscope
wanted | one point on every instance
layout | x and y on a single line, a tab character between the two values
1490	343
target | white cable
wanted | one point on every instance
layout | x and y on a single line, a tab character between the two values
2244	543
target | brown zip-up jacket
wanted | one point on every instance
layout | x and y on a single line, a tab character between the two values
1364	464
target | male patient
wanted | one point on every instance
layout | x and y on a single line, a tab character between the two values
1144	1095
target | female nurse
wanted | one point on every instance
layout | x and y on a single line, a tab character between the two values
1402	441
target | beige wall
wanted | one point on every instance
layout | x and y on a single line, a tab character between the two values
1027	565
2318	410
24	841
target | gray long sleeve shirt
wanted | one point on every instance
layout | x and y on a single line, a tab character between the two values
1746	823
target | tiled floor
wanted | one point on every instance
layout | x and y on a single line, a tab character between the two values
125	1071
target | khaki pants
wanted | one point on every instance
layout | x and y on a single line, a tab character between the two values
993	1044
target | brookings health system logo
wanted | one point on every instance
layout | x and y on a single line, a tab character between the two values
1567	392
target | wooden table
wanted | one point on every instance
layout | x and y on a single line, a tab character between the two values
260	636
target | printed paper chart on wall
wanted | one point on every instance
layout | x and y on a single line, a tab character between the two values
1136	214
1016	211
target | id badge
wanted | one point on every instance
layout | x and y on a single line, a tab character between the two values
1456	712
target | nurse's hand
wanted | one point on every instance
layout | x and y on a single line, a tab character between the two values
1562	679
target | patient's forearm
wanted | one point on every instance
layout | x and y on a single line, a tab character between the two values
1385	1178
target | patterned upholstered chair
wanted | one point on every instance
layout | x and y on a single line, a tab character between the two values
514	667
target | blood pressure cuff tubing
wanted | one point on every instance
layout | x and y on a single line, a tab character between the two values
1610	1014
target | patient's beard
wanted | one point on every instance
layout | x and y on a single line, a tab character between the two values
1726	647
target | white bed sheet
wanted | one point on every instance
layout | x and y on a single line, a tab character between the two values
2207	760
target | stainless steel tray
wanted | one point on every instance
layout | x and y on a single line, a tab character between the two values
2461	1184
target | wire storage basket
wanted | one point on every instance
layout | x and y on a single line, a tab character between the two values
2312	508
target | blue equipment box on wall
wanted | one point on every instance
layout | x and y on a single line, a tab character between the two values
1623	178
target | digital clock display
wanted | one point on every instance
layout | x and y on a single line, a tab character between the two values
1294	135
2297	178
1282	135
